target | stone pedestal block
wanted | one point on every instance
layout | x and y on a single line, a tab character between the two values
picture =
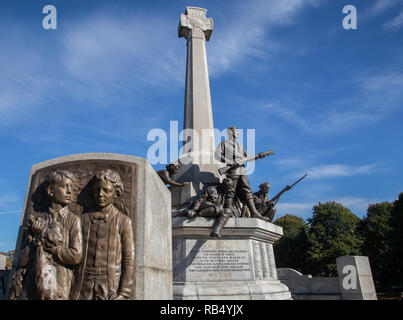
355	278
240	265
146	200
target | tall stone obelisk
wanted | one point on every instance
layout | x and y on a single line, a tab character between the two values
198	163
197	29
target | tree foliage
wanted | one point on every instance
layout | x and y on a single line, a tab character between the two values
375	230
397	241
290	250
332	233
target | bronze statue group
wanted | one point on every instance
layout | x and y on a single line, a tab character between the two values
233	197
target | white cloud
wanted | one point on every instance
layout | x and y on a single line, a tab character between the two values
380	6
110	49
100	62
302	209
383	80
356	205
289	115
10	212
22	87
330	120
6	200
376	97
286	164
395	23
104	58
246	27
341	170
9	203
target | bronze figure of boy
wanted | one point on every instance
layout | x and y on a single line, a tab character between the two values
53	245
107	268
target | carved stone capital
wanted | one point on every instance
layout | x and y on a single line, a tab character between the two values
194	24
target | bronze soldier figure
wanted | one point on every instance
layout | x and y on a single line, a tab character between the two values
53	245
166	175
262	203
231	151
211	203
107	269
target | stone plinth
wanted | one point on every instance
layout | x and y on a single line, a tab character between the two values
306	287
147	202
355	278
240	265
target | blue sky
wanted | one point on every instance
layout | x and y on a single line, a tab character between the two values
327	100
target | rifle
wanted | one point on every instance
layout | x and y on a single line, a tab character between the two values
278	195
261	155
179	212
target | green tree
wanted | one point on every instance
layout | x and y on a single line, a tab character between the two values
290	250
331	234
375	230
397	241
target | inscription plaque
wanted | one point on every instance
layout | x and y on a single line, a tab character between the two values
214	260
220	261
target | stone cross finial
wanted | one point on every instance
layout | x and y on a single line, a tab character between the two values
194	24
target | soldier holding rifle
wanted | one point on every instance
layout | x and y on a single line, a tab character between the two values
232	153
263	204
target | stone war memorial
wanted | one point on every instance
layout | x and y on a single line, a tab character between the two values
217	254
102	226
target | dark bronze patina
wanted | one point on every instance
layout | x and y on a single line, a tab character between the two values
278	195
53	258
233	154
263	204
106	271
166	175
210	204
53	245
235	164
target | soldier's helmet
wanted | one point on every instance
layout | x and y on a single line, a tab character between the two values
173	167
265	185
